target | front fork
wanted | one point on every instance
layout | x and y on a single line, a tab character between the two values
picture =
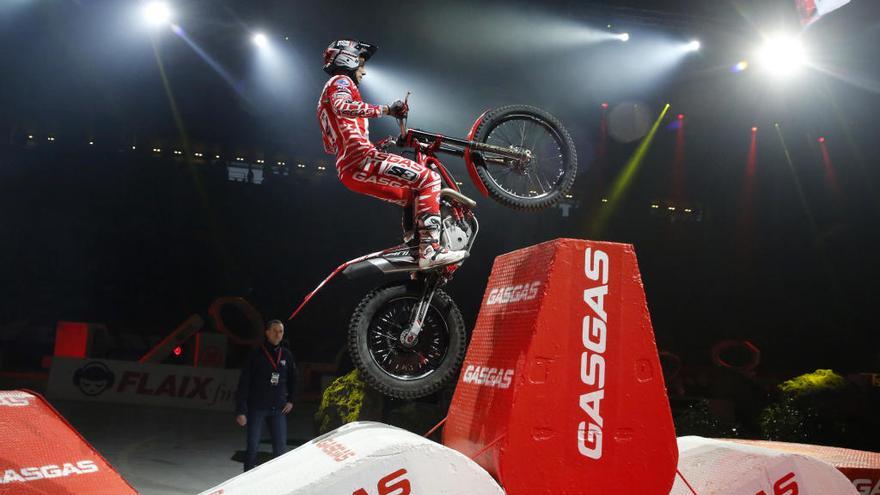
411	334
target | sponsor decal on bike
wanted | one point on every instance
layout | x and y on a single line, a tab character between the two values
399	254
594	335
486	376
49	471
512	294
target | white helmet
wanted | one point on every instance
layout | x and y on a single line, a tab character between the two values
344	54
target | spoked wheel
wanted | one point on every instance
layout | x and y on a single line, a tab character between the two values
406	370
542	179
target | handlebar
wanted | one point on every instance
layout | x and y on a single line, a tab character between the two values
431	143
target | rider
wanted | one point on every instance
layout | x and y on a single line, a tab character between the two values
361	166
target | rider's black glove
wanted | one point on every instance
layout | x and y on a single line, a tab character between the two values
398	110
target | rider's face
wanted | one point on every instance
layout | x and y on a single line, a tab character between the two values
361	71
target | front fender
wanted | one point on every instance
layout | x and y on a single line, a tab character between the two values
468	160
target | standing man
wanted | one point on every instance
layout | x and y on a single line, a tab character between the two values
265	393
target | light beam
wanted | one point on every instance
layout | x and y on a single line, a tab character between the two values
625	178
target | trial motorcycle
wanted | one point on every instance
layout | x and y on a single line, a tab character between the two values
408	339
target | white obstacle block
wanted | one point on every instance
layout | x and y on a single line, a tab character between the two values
365	458
718	467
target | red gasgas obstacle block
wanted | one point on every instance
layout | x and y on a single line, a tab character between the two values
561	390
40	453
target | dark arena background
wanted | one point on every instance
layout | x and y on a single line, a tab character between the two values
149	166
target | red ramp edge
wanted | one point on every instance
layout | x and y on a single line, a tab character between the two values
41	453
859	466
561	390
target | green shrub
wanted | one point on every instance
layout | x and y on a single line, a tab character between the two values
347	399
811	383
812	408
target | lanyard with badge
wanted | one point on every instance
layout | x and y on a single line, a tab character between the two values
273	380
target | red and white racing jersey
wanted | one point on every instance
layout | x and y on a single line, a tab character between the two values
343	118
360	166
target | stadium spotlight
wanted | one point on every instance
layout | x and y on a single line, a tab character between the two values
623	37
261	40
692	46
157	13
782	55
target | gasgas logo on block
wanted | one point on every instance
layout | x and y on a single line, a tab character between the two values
786	485
26	474
594	336
15	399
867	486
512	294
486	376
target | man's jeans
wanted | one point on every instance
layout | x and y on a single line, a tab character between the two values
277	428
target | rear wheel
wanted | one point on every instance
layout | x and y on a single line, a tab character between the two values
531	184
406	371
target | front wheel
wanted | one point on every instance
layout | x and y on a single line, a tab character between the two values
394	368
542	180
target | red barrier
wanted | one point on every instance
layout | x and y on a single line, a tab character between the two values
562	390
41	453
72	339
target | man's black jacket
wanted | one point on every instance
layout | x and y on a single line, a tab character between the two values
255	390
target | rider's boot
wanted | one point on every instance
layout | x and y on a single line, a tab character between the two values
431	254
